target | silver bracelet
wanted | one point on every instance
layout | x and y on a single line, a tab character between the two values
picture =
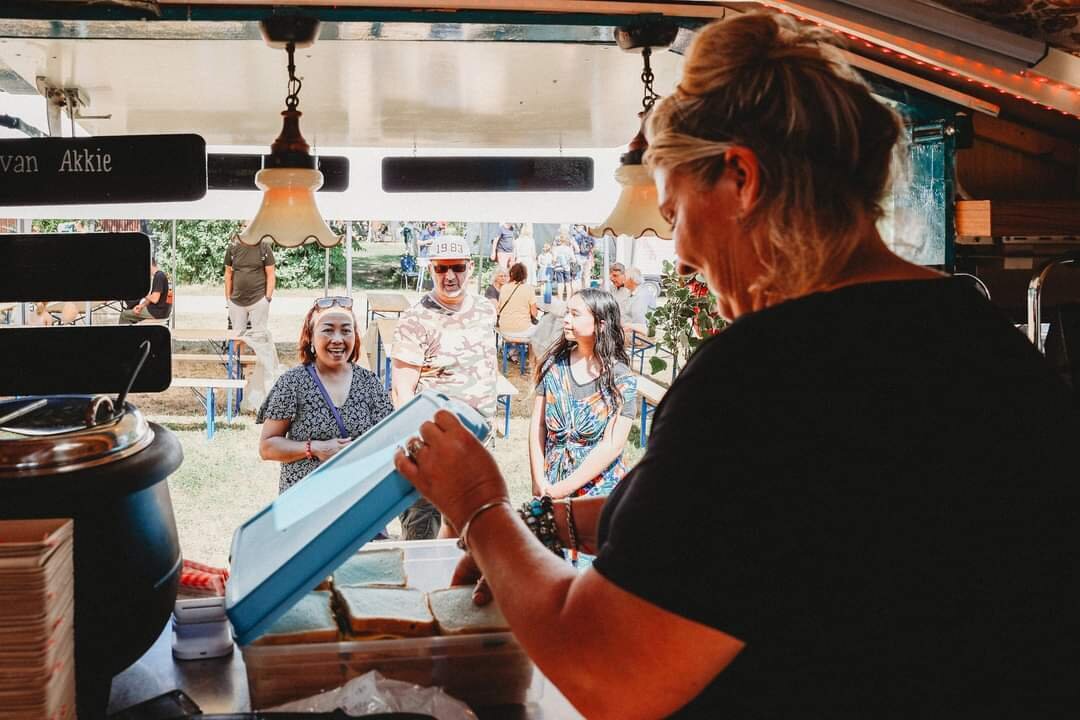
463	542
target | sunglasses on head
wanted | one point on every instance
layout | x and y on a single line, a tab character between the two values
456	267
325	303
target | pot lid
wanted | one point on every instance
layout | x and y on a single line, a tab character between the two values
49	435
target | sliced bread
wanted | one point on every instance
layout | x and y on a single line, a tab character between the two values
456	614
386	612
384	566
309	621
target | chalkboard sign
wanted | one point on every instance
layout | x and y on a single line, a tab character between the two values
80	359
487	174
74	266
236	171
106	169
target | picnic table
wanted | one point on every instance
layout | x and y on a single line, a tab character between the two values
640	343
382	304
504	391
651	393
384	329
89	307
226	343
209	385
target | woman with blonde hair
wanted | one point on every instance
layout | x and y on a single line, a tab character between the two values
833	517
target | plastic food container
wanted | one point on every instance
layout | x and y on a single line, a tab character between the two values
293	543
483	669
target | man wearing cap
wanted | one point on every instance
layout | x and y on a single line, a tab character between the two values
446	343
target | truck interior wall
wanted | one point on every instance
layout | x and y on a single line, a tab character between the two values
1013	162
1008	161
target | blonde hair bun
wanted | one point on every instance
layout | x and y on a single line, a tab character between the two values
824	145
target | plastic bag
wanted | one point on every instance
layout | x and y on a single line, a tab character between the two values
372	693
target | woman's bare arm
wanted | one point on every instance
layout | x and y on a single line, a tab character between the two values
616	640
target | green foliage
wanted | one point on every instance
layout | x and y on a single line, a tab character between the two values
687	318
201	245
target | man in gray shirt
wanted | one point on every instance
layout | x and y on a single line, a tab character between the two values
249	283
637	305
617	275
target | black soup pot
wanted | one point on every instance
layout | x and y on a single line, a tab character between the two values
74	456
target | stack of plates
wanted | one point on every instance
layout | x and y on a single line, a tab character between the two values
37	611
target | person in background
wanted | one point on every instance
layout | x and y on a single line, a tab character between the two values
502	246
834	517
636	305
445	343
424	242
585	402
427	238
543	264
318	407
585	250
619	291
515	310
562	266
525	252
498	279
155	306
249	283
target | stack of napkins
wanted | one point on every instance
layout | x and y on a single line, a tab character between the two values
37	614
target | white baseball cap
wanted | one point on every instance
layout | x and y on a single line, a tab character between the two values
449	247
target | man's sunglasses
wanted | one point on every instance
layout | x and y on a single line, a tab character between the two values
456	267
325	303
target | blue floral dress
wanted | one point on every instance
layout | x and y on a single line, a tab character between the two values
576	417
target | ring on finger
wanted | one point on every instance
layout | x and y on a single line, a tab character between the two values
414	445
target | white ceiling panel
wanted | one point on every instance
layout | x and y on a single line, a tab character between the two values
356	93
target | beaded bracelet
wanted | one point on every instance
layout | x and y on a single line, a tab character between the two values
539	516
571	526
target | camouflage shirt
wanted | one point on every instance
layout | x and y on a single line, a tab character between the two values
455	349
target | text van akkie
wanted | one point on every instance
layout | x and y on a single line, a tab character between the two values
73	161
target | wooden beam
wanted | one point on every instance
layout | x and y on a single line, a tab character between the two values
1000	218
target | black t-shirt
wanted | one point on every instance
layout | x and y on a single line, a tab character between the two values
160	284
883	505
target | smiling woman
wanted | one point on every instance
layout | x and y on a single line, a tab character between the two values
318	407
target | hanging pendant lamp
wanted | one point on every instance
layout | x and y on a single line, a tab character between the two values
637	211
289	215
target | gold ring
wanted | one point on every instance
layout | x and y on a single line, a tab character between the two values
414	445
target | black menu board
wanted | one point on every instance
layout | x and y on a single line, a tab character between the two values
105	169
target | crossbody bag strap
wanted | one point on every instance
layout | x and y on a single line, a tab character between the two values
498	313
329	403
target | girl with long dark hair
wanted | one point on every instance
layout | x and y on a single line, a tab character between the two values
585	402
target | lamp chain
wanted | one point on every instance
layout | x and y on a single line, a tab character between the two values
650	97
293	98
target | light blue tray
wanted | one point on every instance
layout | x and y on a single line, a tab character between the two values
292	544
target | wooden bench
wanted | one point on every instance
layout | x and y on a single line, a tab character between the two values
640	344
207	357
651	393
504	390
209	385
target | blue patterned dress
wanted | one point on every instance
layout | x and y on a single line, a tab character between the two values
576	416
